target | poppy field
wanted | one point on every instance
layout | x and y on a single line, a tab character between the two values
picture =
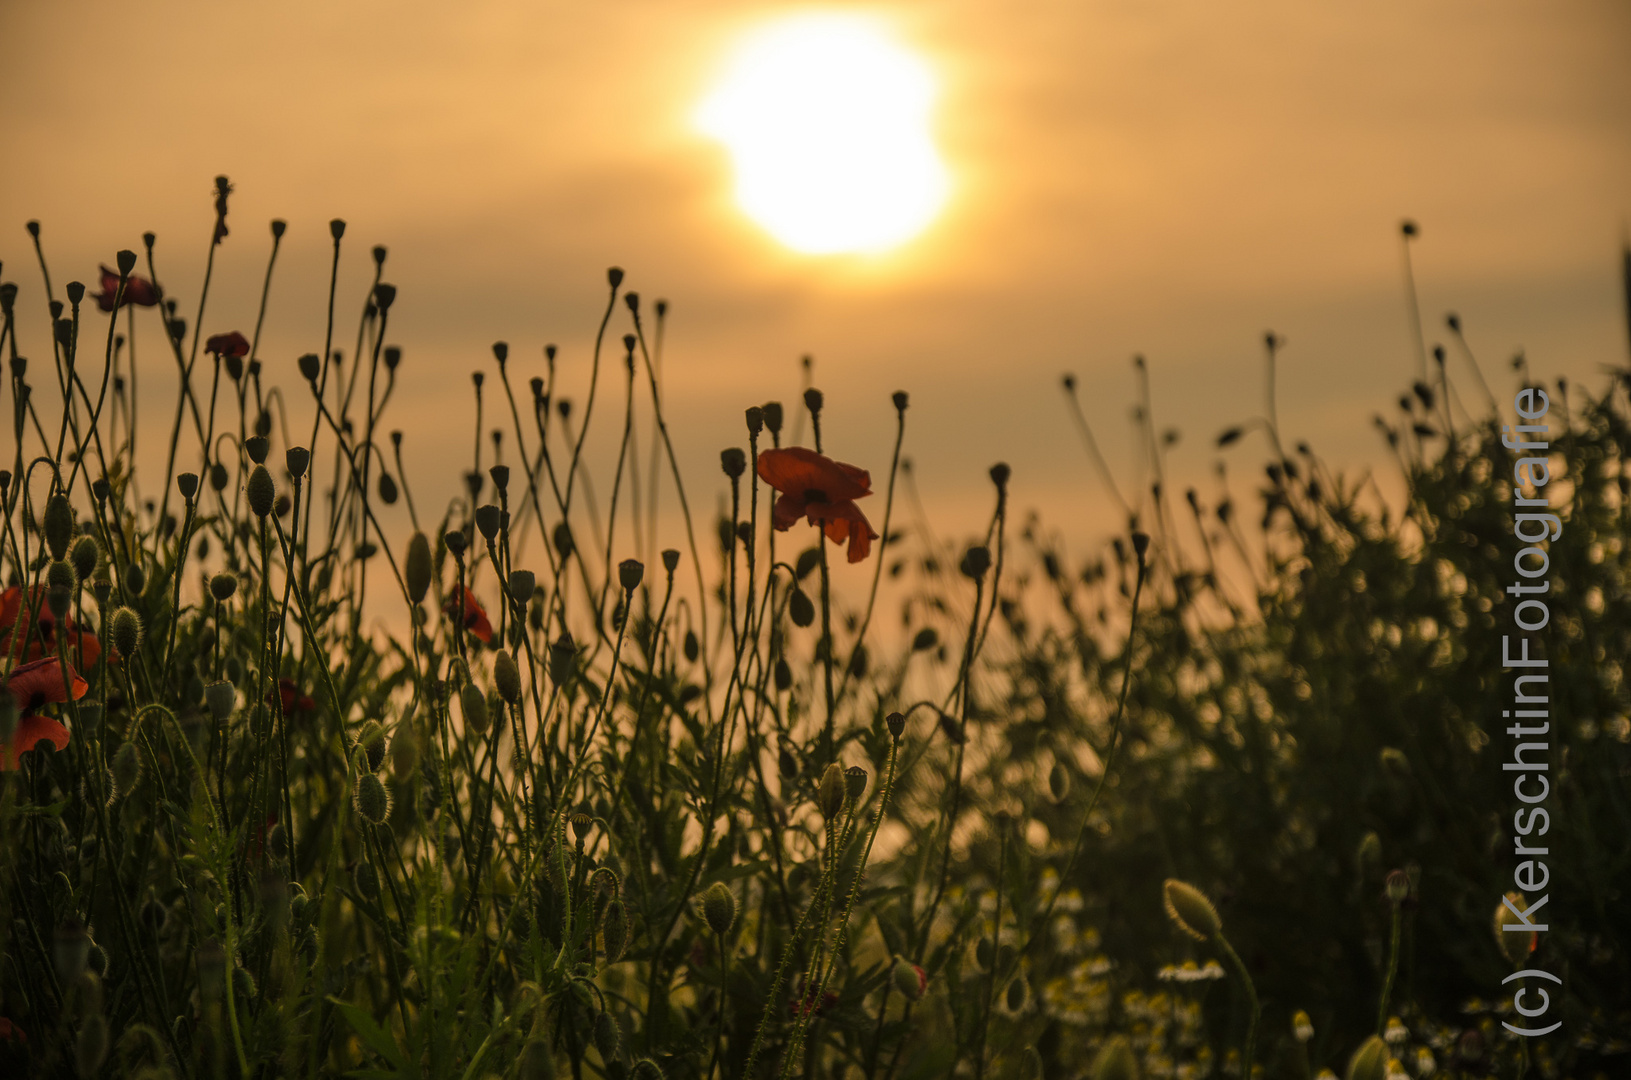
1223	799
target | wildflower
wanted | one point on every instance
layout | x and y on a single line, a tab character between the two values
910	979
291	697
1190	910
809	1005
34	685
1395	1032
821	490
474	618
44	643
138	291
1302	1027
231	343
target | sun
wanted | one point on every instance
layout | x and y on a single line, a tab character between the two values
827	121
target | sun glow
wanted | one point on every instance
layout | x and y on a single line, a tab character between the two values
827	121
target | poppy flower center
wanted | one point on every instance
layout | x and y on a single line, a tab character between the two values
36	700
814	495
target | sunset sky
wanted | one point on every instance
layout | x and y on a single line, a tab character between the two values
1169	178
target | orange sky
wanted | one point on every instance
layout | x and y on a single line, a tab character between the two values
1169	177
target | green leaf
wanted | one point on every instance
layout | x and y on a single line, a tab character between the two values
378	1039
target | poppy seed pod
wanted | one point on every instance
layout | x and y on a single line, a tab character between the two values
1141	544
521	585
1369	1061
855	782
419	568
671	560
58	525
999	474
629	574
310	365
371	800
187	484
474	704
615	930
371	738
500	475
222	698
84	557
772	412
262	492
1190	910
507	677
126	631
733	461
487	520
563	657
755	419
1116	1061
719	907
1397	886
813	400
976	561
896	722
800	608
831	792
223	585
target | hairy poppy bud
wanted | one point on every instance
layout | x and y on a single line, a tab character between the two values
1395	763
371	800
371	738
222	698
608	1040
645	1069
223	585
474	704
59	575
1116	1061
690	647
831	791
808	560
629	574
507	677
976	561
563	658
84	557
404	753
896	723
58	525
1059	781
784	674
1397	886
310	366
59	599
909	979
719	907
800	608
615	930
262	492
365	877
1370	1060
126	631
1190	910
418	569
733	461
387	489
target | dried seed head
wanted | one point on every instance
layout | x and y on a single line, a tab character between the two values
522	583
719	907
630	572
831	791
976	561
1190	910
896	723
262	492
734	461
474	704
222	698
507	677
772	412
372	801
1116	1061
126	631
419	567
488	519
223	585
58	525
1397	886
671	560
855	779
1370	1060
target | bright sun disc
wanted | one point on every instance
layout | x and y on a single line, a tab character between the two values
827	123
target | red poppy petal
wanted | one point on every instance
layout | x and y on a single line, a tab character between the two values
843	521
786	511
794	469
40	682
30	730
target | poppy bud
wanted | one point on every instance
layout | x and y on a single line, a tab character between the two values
857	661
813	401
719	907
84	557
808	560
387	489
310	365
563	657
896	723
614	276
615	930
1016	995
1370	1060
219	477
772	411
365	877
371	738
690	646
60	575
608	1040
262	492
784	674
373	804
1190	910
1408	227
629	574
474	704
733	461
58	525
1059	781
855	783
404	753
418	568
952	729
563	541
91	1045
59	599
645	1069
976	561
1397	886
1395	763
126	630
785	762
831	791
671	560
800	608
488	519
521	585
909	979
221	698
1116	1061
507	677
223	585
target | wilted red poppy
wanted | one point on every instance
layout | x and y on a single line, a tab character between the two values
44	642
231	343
33	686
474	618
815	487
138	291
291	698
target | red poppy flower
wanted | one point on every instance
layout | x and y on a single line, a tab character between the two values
231	343
828	1000
254	848
138	291
292	699
474	618
821	490
43	643
33	686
